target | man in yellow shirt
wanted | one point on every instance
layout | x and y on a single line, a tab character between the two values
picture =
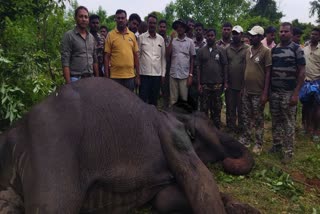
121	54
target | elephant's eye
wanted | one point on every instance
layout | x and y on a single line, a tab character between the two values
190	134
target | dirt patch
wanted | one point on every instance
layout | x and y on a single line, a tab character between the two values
300	177
315	182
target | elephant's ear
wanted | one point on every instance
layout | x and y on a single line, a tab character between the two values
191	174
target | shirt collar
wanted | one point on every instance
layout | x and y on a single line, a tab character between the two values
126	30
77	32
184	39
148	35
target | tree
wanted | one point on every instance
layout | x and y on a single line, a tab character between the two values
211	12
315	9
267	9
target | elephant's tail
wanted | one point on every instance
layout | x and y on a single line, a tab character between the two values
241	165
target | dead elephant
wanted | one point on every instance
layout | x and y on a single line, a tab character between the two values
93	144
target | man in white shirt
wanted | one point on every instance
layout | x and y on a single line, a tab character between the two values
152	58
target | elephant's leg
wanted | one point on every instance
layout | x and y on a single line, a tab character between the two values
60	199
53	188
191	174
170	200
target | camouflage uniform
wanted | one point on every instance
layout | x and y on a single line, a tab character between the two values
211	101
254	86
252	108
283	120
100	51
285	60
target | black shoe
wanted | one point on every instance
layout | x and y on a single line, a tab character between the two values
275	149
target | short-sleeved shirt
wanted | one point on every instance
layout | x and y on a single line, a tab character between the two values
78	53
152	55
265	43
285	61
182	51
236	65
122	48
211	64
222	44
312	62
254	77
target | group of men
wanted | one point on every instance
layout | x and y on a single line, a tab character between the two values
192	66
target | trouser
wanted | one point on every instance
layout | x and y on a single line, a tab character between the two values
128	83
165	90
283	120
233	109
211	102
74	78
178	89
193	94
252	115
149	89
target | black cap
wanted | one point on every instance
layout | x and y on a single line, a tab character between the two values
180	21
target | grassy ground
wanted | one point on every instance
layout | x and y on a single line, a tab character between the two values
272	187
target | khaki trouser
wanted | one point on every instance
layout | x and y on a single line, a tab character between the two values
178	88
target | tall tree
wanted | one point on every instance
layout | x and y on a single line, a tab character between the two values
212	12
315	9
267	9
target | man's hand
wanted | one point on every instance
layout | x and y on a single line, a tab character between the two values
189	81
263	99
137	81
163	80
173	35
294	100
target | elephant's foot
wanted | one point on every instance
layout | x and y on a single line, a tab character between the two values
170	200
235	207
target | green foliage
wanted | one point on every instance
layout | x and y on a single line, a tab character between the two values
267	9
212	13
11	102
279	182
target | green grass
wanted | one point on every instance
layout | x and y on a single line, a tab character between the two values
273	187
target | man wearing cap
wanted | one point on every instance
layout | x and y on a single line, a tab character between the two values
181	52
152	60
225	41
121	53
212	64
255	89
236	55
287	77
268	41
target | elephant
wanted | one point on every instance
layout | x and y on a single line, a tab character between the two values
94	147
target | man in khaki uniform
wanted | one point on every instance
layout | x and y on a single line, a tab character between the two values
255	90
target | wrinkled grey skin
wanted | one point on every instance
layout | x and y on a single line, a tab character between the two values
94	144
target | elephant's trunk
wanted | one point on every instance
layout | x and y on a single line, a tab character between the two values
239	165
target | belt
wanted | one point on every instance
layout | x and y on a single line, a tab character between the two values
82	75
